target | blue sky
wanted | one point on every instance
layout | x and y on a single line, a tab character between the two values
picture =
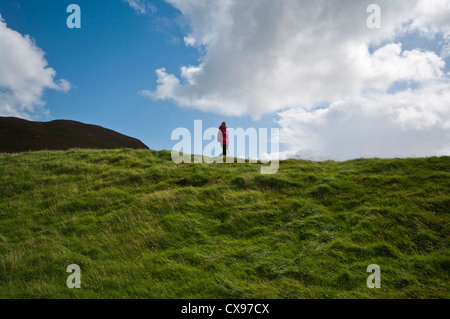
335	88
109	60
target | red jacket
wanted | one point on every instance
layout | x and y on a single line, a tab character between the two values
222	135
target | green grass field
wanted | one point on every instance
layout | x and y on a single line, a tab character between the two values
140	226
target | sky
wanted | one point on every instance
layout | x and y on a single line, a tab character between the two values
336	88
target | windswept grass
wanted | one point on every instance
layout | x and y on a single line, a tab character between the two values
140	226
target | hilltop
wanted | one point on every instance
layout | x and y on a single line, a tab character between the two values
140	226
18	135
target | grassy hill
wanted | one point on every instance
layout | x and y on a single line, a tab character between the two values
19	135
140	226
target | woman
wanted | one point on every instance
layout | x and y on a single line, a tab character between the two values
222	137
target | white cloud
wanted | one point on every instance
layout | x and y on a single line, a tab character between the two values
24	75
405	124
141	6
189	41
431	17
292	56
264	56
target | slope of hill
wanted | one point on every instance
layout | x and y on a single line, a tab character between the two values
140	226
18	135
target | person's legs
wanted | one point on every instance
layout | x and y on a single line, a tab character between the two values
224	148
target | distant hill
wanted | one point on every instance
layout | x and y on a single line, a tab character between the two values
18	135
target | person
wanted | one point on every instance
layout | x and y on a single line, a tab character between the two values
222	137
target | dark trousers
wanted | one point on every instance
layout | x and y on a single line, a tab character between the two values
224	147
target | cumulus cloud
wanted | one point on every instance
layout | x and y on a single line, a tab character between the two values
264	56
141	6
431	18
24	75
405	124
321	69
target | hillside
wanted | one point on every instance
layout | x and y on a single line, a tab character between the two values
18	135
140	226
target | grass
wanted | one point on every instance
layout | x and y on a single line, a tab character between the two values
140	226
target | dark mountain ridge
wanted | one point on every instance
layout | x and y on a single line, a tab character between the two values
19	135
